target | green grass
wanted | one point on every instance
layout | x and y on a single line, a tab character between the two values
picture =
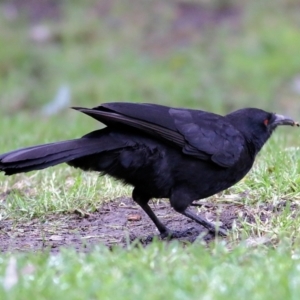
158	272
132	56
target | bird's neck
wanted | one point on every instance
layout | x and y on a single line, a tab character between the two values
256	143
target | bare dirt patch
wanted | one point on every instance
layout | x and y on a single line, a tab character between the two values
117	223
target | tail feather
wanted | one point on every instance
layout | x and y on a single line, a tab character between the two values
43	156
46	150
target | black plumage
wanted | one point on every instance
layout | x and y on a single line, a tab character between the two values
163	152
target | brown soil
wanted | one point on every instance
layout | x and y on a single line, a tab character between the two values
116	223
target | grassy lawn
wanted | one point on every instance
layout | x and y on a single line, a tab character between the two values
133	55
159	271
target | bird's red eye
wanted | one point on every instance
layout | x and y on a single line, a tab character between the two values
266	122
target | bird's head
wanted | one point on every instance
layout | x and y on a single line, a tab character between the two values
257	125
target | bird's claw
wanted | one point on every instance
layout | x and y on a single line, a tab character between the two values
220	231
216	230
170	234
175	234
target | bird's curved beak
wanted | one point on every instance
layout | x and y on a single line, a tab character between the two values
283	120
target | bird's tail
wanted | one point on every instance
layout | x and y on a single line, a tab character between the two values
47	155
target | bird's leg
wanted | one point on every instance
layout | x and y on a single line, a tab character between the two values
164	231
142	201
211	228
181	199
197	204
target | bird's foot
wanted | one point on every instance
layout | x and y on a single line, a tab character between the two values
214	230
218	231
176	234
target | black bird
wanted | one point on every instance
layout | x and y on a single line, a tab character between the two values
163	152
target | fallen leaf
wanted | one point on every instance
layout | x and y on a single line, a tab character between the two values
134	218
56	238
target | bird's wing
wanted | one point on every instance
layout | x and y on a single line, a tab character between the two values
135	115
200	134
209	133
